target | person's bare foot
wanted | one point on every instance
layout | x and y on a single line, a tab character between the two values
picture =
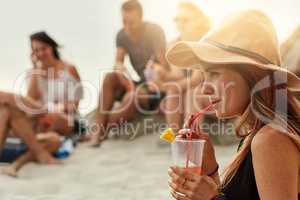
85	138
10	171
45	158
95	140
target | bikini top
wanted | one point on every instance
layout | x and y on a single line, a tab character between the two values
61	89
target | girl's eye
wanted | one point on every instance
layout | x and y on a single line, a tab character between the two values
213	75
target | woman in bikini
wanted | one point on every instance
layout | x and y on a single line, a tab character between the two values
51	104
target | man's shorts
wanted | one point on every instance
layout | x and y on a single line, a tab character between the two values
154	97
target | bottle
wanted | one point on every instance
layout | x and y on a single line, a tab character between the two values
149	71
66	148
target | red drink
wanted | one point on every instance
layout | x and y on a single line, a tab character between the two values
195	170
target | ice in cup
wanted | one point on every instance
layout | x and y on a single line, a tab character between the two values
188	154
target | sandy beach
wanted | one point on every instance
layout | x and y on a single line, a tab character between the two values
119	170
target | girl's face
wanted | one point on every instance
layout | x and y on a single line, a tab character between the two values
230	88
185	21
42	51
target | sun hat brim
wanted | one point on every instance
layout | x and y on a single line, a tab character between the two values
192	54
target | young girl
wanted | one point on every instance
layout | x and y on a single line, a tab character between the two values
241	63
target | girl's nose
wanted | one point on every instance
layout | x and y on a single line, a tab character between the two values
208	89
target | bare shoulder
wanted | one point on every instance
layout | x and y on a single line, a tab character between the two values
72	70
276	164
271	140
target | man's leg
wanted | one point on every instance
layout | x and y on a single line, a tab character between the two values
129	107
50	141
111	86
132	103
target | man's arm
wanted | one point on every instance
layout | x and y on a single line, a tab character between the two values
159	46
121	52
162	59
119	61
123	73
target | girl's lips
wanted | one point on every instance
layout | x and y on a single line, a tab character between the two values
216	104
216	101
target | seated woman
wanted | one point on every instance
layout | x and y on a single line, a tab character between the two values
241	61
55	87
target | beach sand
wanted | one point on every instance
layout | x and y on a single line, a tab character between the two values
119	170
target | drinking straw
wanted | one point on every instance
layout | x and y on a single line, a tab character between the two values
191	125
189	137
194	117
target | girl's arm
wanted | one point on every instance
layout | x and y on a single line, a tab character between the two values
72	105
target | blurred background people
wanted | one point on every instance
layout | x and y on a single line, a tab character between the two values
55	87
145	44
192	24
290	52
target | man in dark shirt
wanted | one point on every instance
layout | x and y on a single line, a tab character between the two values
145	44
150	44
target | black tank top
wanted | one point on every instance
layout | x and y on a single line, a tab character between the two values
243	184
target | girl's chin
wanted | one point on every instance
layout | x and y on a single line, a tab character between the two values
222	115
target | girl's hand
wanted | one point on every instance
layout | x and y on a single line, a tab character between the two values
35	61
46	122
190	186
209	158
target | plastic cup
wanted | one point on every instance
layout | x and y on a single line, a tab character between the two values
188	154
149	74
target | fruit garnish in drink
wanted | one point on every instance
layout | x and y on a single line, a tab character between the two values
168	135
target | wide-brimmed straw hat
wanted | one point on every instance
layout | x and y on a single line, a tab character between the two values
245	39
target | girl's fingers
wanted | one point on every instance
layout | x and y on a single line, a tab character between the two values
175	178
181	172
183	189
183	131
191	185
178	196
180	189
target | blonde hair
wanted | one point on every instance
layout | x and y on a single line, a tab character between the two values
198	13
287	47
191	7
263	103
